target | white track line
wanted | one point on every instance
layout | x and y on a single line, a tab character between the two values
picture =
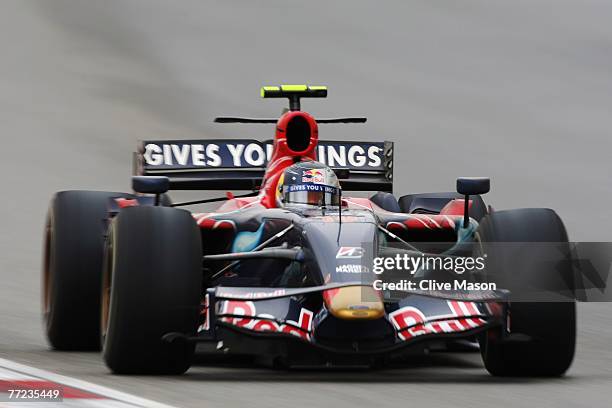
105	392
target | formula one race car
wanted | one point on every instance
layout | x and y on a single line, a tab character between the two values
296	272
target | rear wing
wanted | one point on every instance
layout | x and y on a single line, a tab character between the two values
239	164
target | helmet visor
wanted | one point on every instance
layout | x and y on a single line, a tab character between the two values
311	194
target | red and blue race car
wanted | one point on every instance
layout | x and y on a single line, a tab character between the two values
297	272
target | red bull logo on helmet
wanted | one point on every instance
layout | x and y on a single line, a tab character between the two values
313	176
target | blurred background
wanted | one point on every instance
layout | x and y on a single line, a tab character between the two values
519	91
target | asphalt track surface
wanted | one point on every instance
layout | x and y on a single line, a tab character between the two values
516	90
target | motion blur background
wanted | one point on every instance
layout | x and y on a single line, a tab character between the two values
517	90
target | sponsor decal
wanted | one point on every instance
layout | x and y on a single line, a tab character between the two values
410	322
252	295
244	314
205	304
239	153
315	176
352	268
350	253
321	188
182	154
126	202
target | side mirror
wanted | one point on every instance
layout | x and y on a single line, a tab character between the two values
473	185
468	186
151	185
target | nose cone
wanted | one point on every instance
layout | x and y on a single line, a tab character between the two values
354	303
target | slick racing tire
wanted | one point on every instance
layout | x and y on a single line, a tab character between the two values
151	287
72	268
546	330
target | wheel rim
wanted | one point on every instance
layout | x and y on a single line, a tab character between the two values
106	286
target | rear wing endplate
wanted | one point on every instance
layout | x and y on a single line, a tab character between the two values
239	164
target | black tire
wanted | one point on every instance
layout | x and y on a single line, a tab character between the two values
152	286
551	326
72	268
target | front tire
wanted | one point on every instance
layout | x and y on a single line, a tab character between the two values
550	327
152	286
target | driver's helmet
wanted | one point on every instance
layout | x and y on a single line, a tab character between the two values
308	184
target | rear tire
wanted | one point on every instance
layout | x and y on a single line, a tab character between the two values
72	268
551	326
151	287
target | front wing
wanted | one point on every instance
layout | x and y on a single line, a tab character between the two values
273	321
